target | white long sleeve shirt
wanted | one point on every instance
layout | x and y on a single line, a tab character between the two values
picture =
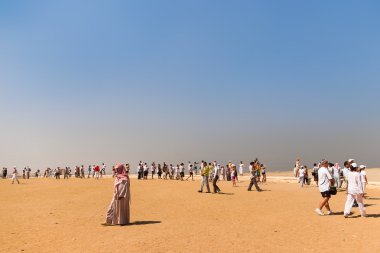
355	185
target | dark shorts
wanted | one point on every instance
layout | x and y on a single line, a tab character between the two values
326	194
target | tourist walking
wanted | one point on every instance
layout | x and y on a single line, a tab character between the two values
205	173
14	175
253	182
215	179
325	180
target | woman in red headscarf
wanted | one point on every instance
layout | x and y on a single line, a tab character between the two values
119	210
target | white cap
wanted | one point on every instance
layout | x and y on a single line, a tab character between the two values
354	165
362	167
351	160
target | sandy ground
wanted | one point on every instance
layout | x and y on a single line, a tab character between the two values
48	215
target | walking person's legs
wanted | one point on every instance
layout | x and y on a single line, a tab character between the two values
216	188
359	199
207	184
202	184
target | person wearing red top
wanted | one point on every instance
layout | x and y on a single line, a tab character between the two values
97	169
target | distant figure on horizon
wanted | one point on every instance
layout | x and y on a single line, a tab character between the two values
241	168
5	172
191	173
14	175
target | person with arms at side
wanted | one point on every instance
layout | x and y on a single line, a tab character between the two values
354	191
119	210
205	173
363	177
324	180
14	175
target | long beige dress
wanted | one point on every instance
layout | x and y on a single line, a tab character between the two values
119	210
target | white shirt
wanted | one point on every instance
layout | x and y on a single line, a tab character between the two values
362	176
345	172
355	185
216	171
336	171
301	172
324	179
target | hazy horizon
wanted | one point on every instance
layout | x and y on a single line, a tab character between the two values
124	81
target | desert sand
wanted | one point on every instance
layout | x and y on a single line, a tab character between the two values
48	215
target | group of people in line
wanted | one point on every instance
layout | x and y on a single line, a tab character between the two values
329	177
94	171
228	172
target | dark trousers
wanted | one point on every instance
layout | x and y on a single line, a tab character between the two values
253	182
216	188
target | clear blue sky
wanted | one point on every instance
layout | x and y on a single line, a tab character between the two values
93	81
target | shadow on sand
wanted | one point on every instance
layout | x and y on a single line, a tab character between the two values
146	222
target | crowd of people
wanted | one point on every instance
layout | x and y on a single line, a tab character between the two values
228	172
330	177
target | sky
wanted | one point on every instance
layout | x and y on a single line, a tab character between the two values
85	82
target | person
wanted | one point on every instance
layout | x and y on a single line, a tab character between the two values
346	170
96	170
159	171
297	166
28	170
252	170
57	173
354	191
119	210
182	171
67	172
336	174
223	172
153	169
145	171
205	173
363	177
263	173
82	171
301	176
315	173
241	168
215	179
306	176
191	173
14	175
233	175
89	171
324	180
103	171
5	172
